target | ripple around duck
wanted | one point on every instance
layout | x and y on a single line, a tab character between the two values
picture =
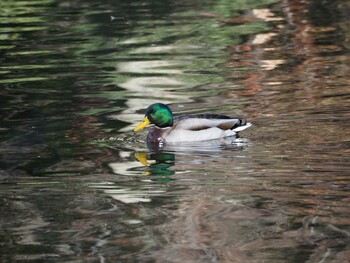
134	141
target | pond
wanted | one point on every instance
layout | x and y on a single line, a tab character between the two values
78	185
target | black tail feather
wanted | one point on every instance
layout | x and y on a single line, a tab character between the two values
239	123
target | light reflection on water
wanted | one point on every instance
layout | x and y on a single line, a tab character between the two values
78	185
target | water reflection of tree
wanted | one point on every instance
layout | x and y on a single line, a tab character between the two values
315	61
307	49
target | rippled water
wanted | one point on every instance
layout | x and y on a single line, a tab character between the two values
77	185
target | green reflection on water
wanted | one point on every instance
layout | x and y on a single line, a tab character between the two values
19	20
32	52
158	164
14	10
23	29
15	80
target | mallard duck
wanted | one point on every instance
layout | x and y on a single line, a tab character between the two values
188	128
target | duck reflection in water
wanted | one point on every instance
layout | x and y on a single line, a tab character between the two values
158	164
160	158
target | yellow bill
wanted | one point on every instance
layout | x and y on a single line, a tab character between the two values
143	124
142	158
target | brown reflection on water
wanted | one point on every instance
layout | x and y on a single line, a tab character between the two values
309	66
289	195
243	215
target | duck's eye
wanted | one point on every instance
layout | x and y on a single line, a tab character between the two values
152	113
151	116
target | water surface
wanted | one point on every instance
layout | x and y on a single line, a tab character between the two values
77	185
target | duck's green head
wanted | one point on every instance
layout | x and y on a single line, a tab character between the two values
158	114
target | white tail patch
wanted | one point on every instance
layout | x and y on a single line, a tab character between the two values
241	128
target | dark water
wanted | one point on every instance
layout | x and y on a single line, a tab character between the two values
77	185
